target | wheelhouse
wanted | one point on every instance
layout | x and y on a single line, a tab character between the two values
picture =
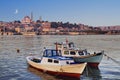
69	52
52	56
51	53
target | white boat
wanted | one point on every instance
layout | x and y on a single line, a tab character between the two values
54	64
69	50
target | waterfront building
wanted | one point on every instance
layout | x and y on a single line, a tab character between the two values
84	27
26	20
46	26
6	33
17	29
110	28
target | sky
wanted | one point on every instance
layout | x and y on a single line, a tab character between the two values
88	12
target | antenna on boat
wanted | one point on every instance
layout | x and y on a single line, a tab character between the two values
56	46
67	43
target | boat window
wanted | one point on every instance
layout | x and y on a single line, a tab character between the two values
36	60
71	45
66	52
50	60
56	61
72	52
55	53
49	53
64	46
80	53
45	53
67	62
60	53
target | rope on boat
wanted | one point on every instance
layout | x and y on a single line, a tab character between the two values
112	59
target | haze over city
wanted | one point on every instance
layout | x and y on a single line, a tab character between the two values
89	12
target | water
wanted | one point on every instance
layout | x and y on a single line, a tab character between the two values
13	65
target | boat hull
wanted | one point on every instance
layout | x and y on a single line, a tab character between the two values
93	60
63	74
73	70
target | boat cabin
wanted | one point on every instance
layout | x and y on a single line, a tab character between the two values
69	50
72	53
52	56
50	53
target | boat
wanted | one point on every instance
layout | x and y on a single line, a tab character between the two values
51	62
68	49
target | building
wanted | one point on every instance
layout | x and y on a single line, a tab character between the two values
17	29
46	26
110	28
26	20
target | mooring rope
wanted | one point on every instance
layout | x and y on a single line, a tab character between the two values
112	59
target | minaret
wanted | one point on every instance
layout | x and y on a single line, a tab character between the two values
31	16
40	18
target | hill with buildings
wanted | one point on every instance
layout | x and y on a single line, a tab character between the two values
27	26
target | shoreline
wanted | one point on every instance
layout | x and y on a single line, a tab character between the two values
60	33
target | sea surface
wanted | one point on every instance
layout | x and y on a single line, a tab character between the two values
13	65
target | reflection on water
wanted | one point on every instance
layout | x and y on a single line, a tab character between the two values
39	73
91	73
13	65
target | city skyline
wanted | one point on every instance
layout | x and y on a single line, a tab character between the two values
89	12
